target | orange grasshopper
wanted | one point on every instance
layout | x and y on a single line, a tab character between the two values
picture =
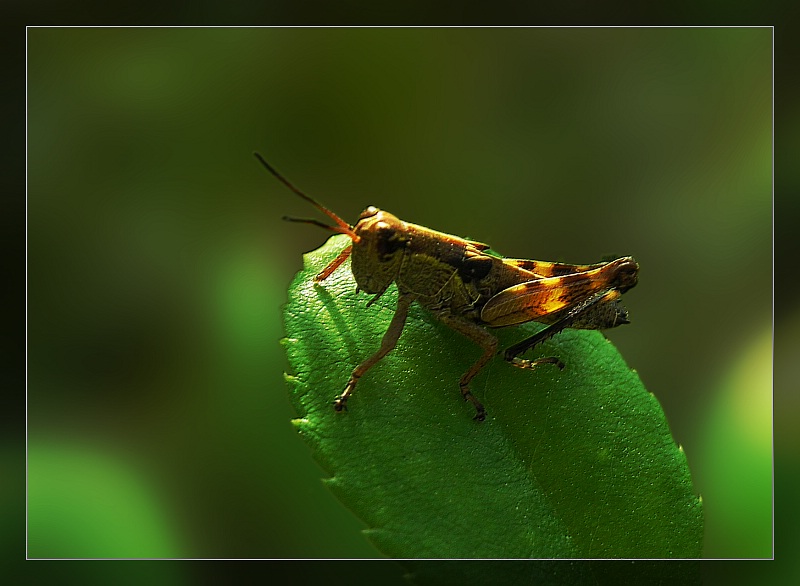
468	289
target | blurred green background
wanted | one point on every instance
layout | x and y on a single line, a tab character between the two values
157	261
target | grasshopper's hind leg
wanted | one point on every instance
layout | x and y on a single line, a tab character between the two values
512	353
597	312
531	364
483	339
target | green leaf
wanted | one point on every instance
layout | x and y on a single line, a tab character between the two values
577	463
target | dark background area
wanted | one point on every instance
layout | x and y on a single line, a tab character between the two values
158	419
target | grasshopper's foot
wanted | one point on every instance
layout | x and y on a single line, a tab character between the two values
340	404
468	396
531	364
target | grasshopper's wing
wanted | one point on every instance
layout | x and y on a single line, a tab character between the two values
544	268
538	298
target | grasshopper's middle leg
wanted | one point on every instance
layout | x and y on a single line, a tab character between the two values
483	339
388	343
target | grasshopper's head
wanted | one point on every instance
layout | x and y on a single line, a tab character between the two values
382	238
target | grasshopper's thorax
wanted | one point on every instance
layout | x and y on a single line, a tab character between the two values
376	258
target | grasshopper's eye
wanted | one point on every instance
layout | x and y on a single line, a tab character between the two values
384	231
369	212
388	240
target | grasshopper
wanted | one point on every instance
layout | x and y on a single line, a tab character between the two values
468	289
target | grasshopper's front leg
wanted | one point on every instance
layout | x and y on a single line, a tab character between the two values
388	343
483	339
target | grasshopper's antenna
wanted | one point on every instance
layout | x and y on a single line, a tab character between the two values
343	227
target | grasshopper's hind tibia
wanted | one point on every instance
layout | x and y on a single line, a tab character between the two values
388	343
597	312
